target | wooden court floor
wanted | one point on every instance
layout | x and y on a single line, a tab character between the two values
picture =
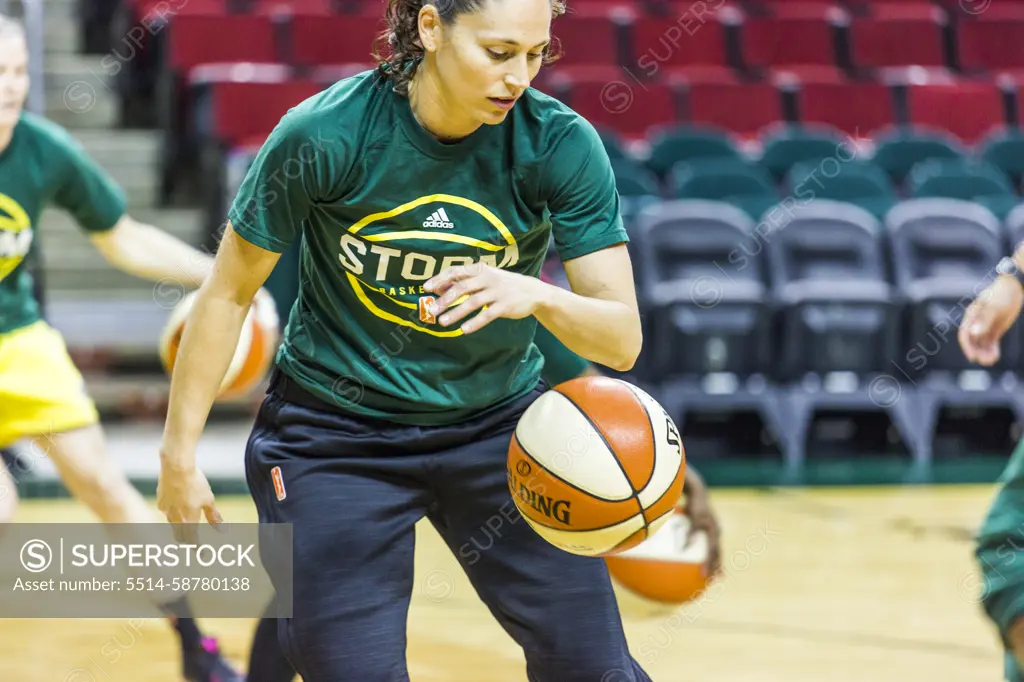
843	585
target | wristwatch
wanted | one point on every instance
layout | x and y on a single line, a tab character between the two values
1007	266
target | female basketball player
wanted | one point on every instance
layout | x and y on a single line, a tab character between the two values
998	545
41	392
267	663
426	211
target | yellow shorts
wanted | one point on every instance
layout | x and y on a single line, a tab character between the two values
41	390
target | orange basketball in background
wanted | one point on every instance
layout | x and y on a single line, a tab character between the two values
257	344
596	466
664	568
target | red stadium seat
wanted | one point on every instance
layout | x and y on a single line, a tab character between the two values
701	73
320	8
155	10
857	109
776	6
666	42
967	110
873	6
584	40
898	38
809	73
597	8
743	109
623	105
985	45
202	39
244	111
989	9
803	36
315	39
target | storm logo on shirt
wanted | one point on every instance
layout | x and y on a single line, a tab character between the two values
387	267
15	235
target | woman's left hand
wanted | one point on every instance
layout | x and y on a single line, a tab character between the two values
500	293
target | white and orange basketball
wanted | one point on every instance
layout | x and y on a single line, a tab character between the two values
668	566
257	344
596	466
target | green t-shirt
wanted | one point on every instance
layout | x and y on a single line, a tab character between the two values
383	206
44	165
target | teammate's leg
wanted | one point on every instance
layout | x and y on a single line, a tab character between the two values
8	492
353	500
1000	556
558	607
91	476
42	397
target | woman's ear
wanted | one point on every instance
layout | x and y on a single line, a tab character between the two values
429	27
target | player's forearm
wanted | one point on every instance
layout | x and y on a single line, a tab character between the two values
603	331
207	347
150	253
1018	255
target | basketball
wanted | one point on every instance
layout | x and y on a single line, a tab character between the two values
663	568
257	344
596	466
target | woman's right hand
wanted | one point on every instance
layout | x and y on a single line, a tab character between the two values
988	318
184	496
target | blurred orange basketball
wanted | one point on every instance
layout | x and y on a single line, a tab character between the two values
664	568
254	355
596	466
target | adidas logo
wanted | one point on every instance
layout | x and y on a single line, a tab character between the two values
439	219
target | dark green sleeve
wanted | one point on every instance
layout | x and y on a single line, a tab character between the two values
84	189
288	177
560	363
584	204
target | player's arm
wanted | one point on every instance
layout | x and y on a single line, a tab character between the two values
151	253
209	341
207	345
262	224
86	191
993	312
599	319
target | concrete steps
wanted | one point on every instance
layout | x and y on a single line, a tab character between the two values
60	31
73	265
95	305
79	92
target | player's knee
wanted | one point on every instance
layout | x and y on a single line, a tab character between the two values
8	501
8	495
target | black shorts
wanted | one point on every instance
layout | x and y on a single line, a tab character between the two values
354	488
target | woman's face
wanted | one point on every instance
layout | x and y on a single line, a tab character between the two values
13	78
487	57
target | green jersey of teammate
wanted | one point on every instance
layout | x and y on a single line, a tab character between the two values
383	207
44	164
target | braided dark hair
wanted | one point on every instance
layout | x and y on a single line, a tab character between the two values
401	39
